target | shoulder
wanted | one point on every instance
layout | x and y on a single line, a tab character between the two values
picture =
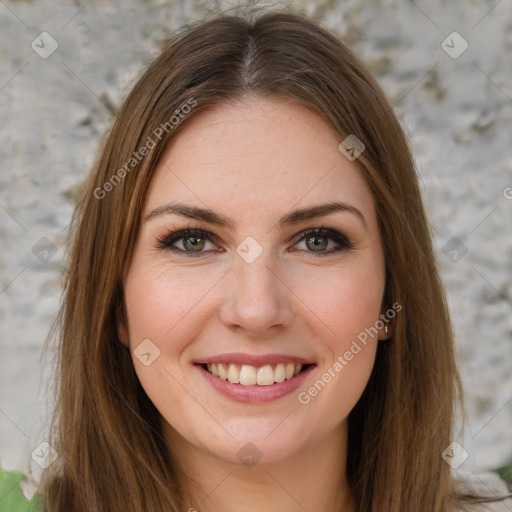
12	497
483	485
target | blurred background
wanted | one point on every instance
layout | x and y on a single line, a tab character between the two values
446	67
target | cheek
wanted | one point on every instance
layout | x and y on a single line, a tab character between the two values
348	303
349	346
160	304
160	308
347	300
351	306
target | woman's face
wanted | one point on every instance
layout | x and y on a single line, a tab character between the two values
253	289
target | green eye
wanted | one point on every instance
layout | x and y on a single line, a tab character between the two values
317	240
193	241
317	243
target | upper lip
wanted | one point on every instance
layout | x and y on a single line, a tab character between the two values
253	360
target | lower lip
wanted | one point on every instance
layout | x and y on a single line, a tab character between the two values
256	394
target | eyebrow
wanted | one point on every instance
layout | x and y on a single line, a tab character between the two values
291	218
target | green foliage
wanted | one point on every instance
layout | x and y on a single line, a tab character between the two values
505	473
12	498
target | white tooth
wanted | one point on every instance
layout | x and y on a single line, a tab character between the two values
265	376
223	374
248	375
233	374
280	373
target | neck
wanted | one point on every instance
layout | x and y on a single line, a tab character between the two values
312	480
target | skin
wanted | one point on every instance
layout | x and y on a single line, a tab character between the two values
253	161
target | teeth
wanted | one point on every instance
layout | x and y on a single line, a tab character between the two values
289	371
223	373
213	369
280	373
248	375
233	374
265	376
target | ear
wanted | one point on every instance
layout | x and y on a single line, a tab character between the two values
385	316
383	335
122	334
122	327
386	332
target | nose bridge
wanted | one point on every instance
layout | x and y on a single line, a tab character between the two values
259	276
256	298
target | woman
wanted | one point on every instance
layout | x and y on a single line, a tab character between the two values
253	318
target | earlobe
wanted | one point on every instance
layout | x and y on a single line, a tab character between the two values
388	333
122	334
122	330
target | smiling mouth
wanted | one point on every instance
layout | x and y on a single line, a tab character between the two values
248	375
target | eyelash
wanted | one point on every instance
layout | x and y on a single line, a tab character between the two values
166	242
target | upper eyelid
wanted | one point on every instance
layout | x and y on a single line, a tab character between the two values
326	231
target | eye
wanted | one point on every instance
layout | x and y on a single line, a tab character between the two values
190	241
322	241
195	242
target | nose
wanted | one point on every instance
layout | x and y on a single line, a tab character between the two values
256	299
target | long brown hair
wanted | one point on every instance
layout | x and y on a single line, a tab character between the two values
106	430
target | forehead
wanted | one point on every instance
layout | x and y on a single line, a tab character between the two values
259	155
